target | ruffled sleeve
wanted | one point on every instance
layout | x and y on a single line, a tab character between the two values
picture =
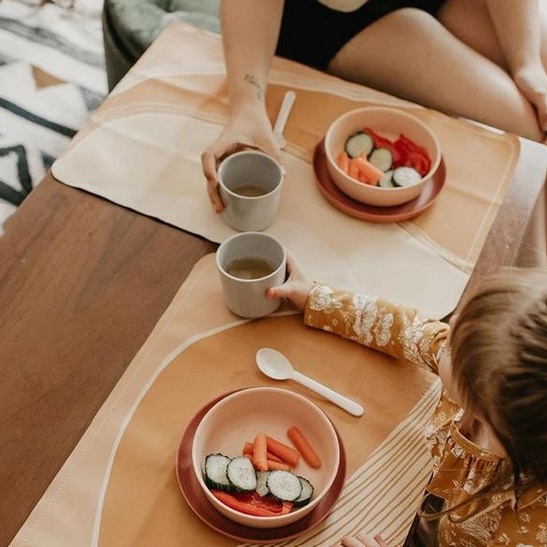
396	330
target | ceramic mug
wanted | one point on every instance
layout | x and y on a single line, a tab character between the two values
250	185
248	264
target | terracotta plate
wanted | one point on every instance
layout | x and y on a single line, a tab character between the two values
373	213
199	504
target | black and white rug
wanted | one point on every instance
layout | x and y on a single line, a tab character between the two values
37	123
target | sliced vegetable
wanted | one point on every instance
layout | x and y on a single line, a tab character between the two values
411	154
261	480
284	485
382	158
241	474
287	453
406	176
215	472
359	144
383	154
303	446
343	161
366	172
307	493
260	453
273	465
248	449
380	141
254	504
387	180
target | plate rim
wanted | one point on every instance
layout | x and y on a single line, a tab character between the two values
374	213
187	483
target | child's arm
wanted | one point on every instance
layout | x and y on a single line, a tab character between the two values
396	330
379	324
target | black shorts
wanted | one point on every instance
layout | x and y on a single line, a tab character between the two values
312	34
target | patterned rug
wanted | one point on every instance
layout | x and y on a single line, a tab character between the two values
52	76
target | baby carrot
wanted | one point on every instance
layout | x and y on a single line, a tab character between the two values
275	464
353	169
304	447
248	449
343	161
367	172
260	457
287	453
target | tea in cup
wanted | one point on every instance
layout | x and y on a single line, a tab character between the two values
250	263
250	184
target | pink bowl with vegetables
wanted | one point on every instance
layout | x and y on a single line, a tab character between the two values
252	469
381	156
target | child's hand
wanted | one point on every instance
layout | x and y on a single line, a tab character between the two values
295	289
363	540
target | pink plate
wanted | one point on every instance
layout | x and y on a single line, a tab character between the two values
373	213
201	506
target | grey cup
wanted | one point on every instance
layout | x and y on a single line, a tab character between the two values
246	297
250	185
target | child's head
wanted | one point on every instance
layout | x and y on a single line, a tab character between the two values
499	364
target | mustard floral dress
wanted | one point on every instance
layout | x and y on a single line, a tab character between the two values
460	467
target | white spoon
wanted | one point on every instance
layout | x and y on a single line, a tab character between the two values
275	365
282	117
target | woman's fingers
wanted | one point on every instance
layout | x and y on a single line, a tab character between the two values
209	168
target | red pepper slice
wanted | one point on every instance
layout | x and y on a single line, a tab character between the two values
405	151
378	140
411	155
253	504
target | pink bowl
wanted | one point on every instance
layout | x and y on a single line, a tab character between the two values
390	123
238	418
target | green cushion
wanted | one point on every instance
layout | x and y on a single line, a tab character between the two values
139	22
130	26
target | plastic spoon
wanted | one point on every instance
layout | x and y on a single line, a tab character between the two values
282	117
276	366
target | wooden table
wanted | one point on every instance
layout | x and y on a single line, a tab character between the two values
82	284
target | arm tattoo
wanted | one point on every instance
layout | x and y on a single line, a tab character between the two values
249	78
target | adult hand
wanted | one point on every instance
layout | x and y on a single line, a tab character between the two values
532	81
250	129
364	540
297	287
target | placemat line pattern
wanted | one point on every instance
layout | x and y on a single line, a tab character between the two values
153	377
352	512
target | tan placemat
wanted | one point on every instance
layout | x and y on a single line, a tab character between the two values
142	149
118	488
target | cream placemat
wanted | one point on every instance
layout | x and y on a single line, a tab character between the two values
118	488
142	149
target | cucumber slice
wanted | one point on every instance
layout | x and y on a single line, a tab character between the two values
307	493
241	474
387	180
359	143
215	472
406	176
381	158
284	485
261	483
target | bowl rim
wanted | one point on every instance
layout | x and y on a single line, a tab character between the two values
193	495
392	110
276	518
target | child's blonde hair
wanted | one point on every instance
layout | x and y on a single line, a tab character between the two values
499	362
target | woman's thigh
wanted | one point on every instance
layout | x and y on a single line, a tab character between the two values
412	55
470	21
